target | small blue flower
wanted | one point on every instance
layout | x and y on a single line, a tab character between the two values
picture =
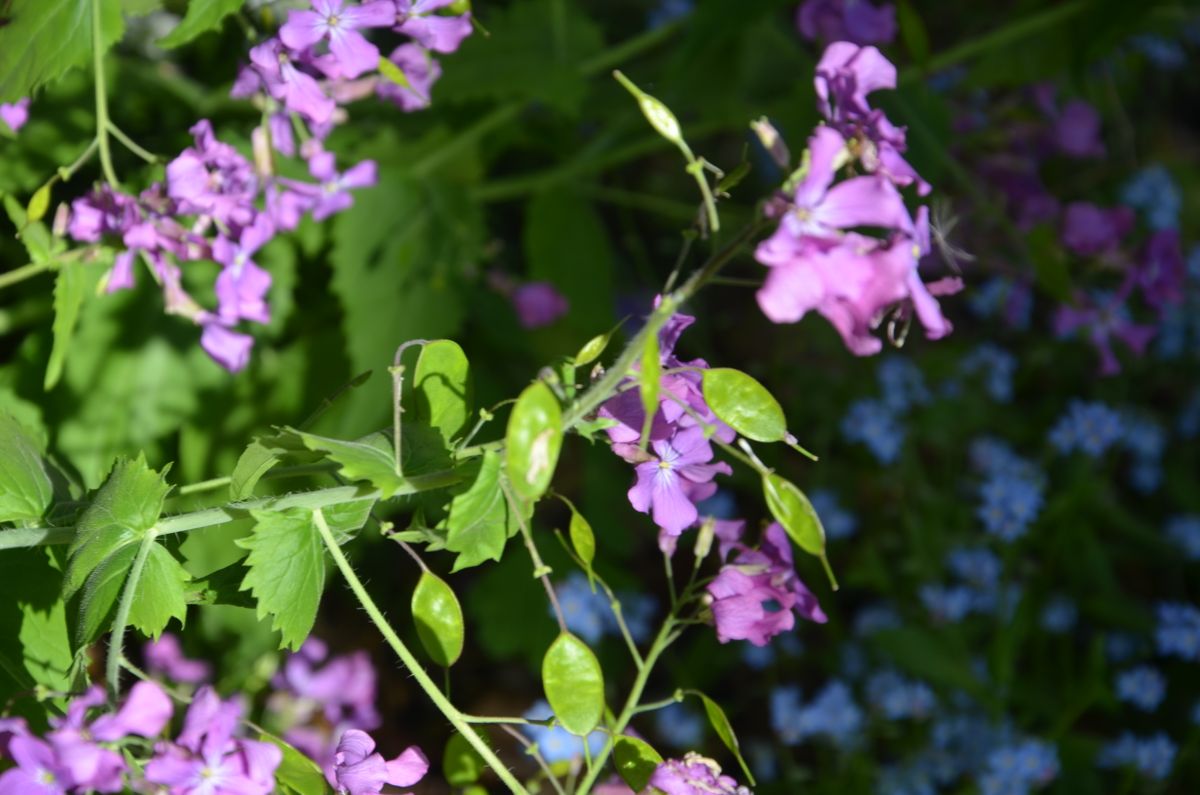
1154	193
1143	687
908	779
898	698
873	618
1120	647
1059	615
998	367
1089	427
838	522
1178	631
639	611
758	658
1008	504
679	727
873	424
1184	532
668	11
586	613
975	566
1151	756
1162	52
947	603
990	456
831	715
902	384
987	300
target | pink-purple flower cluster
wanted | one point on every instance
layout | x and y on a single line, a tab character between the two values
676	469
820	257
694	775
757	593
15	114
218	205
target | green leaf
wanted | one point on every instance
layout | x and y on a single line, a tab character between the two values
480	520
25	488
222	587
443	387
650	383
583	540
912	32
533	441
744	404
461	763
123	511
792	509
255	461
35	646
592	349
161	593
635	761
724	730
574	684
1050	268
534	53
39	203
439	619
369	459
202	16
286	565
70	288
296	771
45	38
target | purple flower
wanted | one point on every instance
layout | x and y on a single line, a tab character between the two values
1161	270
212	178
693	775
339	23
421	71
242	286
332	195
358	770
229	348
1105	317
432	31
676	477
755	595
1088	229
856	21
539	304
1077	130
164	656
38	771
16	114
145	712
297	90
207	759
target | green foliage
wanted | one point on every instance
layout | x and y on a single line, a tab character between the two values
160	594
791	508
635	760
533	441
536	52
744	404
296	774
583	541
724	730
70	288
480	520
439	619
461	763
202	16
574	684
286	565
25	487
35	647
442	387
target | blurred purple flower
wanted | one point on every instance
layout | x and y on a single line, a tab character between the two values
437	32
339	23
693	775
420	69
15	114
856	21
677	476
165	656
538	304
1088	229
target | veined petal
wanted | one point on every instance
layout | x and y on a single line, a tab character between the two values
304	29
355	55
373	14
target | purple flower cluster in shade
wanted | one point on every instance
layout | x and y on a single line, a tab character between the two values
208	756
218	205
693	775
318	698
15	114
165	658
676	470
857	21
816	259
757	593
78	755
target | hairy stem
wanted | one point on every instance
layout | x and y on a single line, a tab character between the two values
410	662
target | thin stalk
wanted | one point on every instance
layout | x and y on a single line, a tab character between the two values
410	662
540	569
613	604
25	271
102	123
661	642
66	172
112	670
531	749
657	705
132	145
283	472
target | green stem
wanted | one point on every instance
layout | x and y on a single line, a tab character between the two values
131	145
626	50
22	537
25	271
102	122
661	642
423	680
282	472
66	172
117	638
540	569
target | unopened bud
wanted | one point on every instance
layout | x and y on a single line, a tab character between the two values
772	141
704	539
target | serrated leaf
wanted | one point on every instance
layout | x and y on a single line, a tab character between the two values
574	684
286	565
744	404
100	592
45	38
439	619
70	288
636	761
25	488
202	16
255	461
442	386
369	459
480	522
296	771
533	441
724	730
124	509
160	593
461	763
